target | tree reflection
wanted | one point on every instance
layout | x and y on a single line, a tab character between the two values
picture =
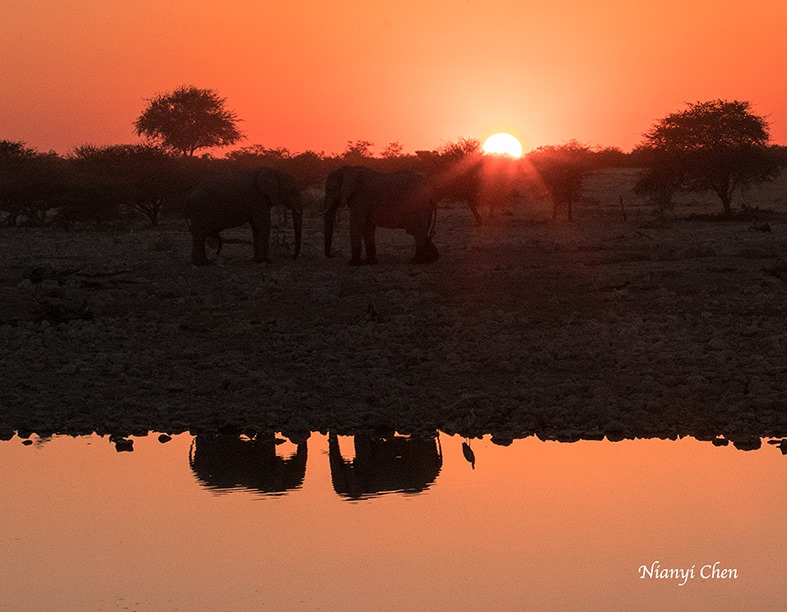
222	461
385	464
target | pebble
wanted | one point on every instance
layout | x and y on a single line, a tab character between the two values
651	349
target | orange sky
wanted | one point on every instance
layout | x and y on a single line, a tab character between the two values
315	74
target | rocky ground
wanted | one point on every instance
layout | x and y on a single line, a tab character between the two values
603	326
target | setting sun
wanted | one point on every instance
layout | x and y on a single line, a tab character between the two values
503	144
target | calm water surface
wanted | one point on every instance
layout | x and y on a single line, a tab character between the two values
344	524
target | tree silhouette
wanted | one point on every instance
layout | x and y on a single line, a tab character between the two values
460	149
258	155
393	150
189	119
356	152
141	177
31	183
560	170
454	172
716	146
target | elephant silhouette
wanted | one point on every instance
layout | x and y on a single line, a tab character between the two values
385	464
219	202
398	200
225	462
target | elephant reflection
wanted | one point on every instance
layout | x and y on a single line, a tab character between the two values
230	461
385	464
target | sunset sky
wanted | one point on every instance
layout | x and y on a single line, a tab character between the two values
311	75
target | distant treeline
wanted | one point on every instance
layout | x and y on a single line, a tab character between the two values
97	184
100	185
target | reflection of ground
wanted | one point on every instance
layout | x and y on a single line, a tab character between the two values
601	328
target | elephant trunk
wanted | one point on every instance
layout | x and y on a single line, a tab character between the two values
330	220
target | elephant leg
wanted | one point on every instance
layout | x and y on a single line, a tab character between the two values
261	232
425	250
419	228
369	243
420	250
432	254
216	239
473	201
198	256
357	223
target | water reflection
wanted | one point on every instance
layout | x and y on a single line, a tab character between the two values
385	463
224	462
536	525
362	465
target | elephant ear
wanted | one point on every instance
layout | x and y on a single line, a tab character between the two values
350	178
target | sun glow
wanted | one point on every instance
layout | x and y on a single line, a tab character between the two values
502	144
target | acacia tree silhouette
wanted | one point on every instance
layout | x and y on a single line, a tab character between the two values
393	150
454	171
142	177
560	170
357	151
189	119
717	146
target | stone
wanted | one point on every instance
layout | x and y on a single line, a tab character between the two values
124	445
